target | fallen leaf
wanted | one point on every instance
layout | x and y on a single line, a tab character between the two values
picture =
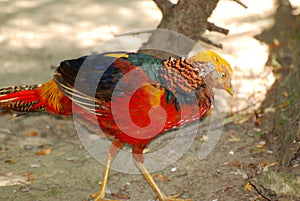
228	188
248	187
257	198
258	121
261	144
12	161
120	196
146	150
238	165
233	138
29	176
162	177
263	166
282	105
275	62
237	119
273	164
45	151
275	43
257	150
31	134
204	138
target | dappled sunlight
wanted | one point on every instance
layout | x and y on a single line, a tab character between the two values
87	38
126	12
27	4
151	10
85	24
35	35
296	5
247	55
12	7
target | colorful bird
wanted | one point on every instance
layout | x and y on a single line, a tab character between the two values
135	97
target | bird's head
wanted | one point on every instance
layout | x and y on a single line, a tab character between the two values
221	65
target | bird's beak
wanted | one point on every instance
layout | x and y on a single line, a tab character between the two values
230	90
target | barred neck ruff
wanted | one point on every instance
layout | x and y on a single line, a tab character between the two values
182	74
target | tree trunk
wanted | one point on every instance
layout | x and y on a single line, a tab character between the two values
188	21
188	17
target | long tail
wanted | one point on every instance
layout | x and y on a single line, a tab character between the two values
35	98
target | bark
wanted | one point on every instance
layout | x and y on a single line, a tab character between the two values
187	17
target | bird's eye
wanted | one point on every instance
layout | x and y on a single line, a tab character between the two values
223	74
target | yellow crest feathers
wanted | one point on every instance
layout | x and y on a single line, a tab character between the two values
209	55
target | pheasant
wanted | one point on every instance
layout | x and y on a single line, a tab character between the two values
126	91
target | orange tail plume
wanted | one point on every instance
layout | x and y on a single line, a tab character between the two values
35	98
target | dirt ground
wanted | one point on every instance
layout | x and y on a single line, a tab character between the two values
41	156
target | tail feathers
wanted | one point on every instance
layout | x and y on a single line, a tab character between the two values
9	90
21	98
36	98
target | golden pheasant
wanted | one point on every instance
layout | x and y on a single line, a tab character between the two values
143	86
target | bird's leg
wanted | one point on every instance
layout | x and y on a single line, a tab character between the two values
112	151
139	162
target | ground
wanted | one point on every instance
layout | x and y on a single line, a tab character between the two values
42	157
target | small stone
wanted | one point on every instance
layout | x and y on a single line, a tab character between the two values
173	169
35	165
72	159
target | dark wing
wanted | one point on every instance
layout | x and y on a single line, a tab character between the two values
90	79
80	79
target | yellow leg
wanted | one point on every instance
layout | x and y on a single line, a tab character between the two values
113	150
149	178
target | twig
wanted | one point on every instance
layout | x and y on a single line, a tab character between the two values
213	27
206	40
258	192
241	3
142	31
163	5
